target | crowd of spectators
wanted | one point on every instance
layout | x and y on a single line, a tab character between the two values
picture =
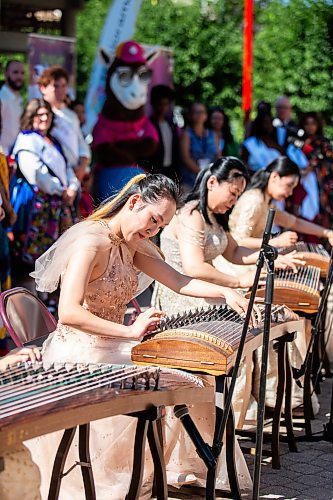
46	168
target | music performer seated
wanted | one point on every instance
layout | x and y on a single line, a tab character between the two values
247	223
97	262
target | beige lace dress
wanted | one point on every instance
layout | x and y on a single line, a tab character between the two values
213	241
248	219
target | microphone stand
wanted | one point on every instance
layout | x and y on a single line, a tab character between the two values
317	328
267	255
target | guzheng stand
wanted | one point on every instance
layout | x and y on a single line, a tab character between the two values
146	428
94	400
267	255
317	333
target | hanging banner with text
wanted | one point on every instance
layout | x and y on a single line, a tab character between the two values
119	27
45	51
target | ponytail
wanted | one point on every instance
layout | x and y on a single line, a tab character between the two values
107	208
225	169
151	188
282	165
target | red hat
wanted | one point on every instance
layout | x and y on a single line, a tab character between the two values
130	52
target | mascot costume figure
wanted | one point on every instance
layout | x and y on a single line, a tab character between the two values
123	135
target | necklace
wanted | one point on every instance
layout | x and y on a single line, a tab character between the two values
113	237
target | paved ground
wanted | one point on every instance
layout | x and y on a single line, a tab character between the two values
308	474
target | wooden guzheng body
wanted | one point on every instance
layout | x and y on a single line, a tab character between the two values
37	399
207	341
299	291
312	254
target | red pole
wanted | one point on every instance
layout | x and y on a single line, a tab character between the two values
247	58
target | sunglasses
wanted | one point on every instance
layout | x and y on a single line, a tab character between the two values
43	114
126	74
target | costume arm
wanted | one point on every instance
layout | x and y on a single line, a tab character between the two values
185	152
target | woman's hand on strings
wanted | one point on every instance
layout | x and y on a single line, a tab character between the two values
292	260
21	355
240	304
286	239
329	236
146	322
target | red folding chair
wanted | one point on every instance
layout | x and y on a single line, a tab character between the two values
25	316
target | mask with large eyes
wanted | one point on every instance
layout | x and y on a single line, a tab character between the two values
130	85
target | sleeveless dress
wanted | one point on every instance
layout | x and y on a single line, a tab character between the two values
112	439
248	219
212	240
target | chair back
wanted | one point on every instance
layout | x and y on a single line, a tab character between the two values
24	316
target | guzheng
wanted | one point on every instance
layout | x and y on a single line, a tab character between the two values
312	254
36	399
299	291
207	340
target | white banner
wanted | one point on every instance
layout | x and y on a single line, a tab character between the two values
119	27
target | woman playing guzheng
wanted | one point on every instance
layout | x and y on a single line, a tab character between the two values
198	234
97	262
20	477
274	183
247	223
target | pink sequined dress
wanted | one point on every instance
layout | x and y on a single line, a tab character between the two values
112	439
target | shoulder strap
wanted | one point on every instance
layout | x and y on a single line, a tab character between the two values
40	159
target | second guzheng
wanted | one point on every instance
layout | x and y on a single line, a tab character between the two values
313	255
207	341
299	291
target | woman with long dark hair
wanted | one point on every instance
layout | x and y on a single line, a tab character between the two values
247	223
199	233
274	183
197	145
225	143
319	152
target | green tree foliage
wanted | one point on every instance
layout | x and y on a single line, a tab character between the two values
293	53
207	47
292	50
89	25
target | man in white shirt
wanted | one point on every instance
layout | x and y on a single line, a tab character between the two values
53	85
11	104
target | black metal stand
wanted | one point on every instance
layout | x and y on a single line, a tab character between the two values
210	455
269	254
317	327
317	332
